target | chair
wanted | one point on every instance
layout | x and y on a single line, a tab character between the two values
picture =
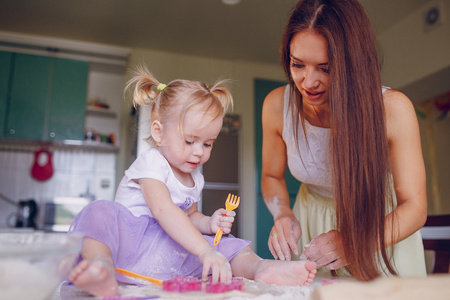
436	237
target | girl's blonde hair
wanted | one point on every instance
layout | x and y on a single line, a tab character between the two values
186	94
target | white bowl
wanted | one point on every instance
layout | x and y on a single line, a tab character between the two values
32	264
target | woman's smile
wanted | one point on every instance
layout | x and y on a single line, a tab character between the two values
313	95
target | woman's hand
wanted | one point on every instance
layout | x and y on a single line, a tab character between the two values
284	236
217	263
223	219
326	250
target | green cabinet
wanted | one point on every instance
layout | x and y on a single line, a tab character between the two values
47	98
5	72
28	97
68	100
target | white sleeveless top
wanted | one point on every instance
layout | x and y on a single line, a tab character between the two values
313	165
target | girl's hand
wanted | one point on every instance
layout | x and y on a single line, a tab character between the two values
284	236
326	250
223	219
217	263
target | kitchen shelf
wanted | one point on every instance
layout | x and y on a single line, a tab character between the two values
12	144
100	112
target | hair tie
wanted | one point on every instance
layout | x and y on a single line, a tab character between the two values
161	87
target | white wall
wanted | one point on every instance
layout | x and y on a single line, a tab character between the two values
411	53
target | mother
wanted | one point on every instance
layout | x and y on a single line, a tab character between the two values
353	144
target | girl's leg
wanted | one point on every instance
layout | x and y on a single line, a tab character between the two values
249	265
95	273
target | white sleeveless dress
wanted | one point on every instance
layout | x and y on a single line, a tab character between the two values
314	206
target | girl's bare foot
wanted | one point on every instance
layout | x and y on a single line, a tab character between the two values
279	272
95	277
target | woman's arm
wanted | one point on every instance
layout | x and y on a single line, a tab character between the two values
407	167
286	230
179	227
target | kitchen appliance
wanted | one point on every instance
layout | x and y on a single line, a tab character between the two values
27	214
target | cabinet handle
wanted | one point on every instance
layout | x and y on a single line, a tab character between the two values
52	134
12	131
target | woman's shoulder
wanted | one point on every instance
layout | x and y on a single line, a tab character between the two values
395	102
399	111
274	100
272	112
278	92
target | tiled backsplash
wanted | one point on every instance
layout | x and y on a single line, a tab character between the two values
75	173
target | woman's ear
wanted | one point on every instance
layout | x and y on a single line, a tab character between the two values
157	132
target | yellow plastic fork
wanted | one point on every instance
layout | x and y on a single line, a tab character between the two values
231	204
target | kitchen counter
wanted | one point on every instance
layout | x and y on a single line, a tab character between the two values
253	290
436	287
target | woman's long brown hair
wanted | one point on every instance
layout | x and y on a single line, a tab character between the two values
359	145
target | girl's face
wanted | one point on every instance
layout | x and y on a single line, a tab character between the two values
185	154
309	66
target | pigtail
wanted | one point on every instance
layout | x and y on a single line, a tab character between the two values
223	94
142	84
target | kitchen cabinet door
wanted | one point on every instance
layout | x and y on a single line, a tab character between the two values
68	100
5	70
29	93
48	98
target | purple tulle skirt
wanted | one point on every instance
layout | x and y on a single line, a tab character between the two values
139	244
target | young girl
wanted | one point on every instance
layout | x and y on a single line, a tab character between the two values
153	227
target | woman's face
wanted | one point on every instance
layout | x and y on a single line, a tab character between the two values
309	66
